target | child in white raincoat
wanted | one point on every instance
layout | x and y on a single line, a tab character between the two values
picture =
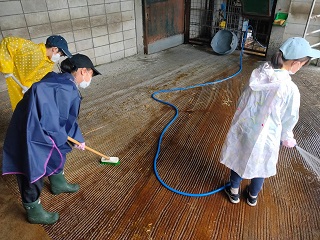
267	112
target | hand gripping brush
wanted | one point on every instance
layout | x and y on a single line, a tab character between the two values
104	159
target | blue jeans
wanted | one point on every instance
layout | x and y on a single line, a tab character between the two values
254	187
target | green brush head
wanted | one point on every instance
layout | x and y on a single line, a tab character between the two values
109	163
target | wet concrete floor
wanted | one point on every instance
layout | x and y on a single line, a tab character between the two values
119	118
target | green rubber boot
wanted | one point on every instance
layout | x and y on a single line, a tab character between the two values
59	184
37	215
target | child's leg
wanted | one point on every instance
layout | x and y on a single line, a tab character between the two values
253	189
235	180
29	192
233	190
255	186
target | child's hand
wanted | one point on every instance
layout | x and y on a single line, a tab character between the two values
289	143
81	146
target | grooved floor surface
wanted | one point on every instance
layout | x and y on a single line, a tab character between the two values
119	118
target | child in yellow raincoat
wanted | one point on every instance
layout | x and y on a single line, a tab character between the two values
28	62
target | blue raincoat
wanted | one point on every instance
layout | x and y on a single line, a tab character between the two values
267	112
36	141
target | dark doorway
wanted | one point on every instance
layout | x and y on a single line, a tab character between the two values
163	24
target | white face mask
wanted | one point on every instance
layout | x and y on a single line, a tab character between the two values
55	57
290	71
84	83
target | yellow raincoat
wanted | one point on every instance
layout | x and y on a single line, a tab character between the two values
27	61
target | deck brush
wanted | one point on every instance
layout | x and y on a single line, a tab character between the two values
104	159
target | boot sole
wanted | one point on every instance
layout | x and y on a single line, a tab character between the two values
34	221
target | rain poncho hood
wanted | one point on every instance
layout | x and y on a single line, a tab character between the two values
266	114
26	60
36	141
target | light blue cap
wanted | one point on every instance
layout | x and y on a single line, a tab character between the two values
297	47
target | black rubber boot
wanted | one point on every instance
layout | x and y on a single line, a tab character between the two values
59	184
37	215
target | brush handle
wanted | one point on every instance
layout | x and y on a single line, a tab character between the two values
89	148
17	81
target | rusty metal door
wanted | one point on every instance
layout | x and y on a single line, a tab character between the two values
163	24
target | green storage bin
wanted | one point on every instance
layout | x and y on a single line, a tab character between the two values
280	19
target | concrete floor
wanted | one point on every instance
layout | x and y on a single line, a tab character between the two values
119	118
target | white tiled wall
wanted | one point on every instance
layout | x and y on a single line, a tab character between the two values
105	30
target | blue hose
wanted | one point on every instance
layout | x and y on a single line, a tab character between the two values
176	116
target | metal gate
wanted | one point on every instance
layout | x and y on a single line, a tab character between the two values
207	17
204	18
306	34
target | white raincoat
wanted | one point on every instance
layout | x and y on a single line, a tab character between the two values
267	112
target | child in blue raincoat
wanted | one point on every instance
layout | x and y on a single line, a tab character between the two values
266	114
36	142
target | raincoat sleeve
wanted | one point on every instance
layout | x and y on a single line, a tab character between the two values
291	114
59	111
50	120
75	131
76	134
7	51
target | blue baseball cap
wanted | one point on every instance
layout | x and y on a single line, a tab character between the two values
83	61
298	47
59	42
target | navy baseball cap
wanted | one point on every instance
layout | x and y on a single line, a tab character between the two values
298	47
59	42
82	61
